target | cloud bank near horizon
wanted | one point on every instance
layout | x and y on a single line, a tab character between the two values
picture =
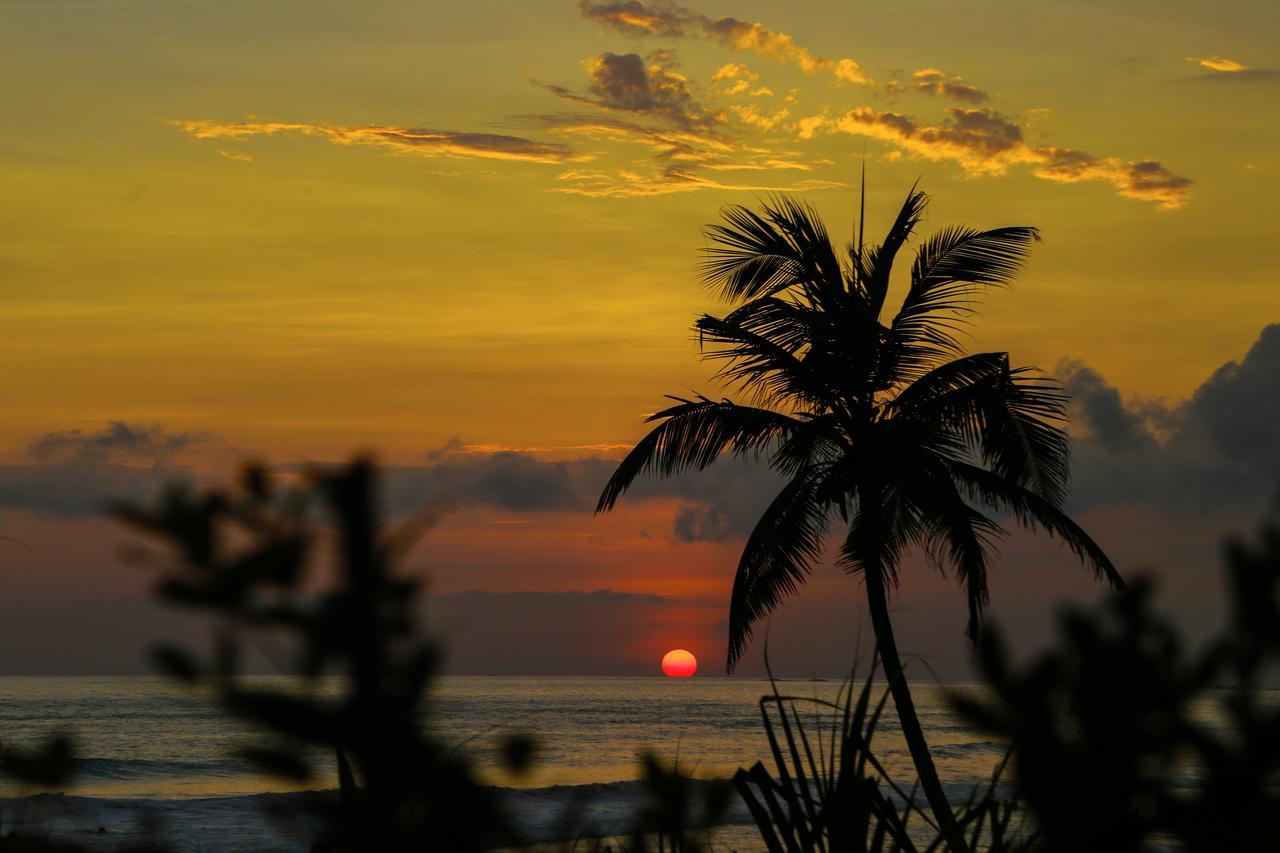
1216	449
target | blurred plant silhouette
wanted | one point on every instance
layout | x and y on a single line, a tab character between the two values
1124	739
830	793
25	827
679	809
249	558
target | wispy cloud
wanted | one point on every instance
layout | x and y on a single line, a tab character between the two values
1218	63
648	104
624	183
636	17
734	71
402	140
985	142
951	86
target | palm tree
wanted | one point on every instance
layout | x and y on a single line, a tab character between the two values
888	427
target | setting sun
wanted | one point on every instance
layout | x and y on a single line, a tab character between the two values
679	663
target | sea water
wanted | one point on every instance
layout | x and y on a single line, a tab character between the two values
153	754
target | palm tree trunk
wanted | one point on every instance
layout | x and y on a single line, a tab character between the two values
907	719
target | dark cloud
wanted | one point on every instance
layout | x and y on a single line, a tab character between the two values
1113	425
703	523
1217	450
77	473
720	503
112	441
1239	406
626	83
508	480
81	488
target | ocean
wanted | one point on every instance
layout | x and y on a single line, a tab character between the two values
153	755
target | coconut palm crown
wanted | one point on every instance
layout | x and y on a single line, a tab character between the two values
884	425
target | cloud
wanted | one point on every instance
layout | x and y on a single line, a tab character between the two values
667	144
401	140
664	115
951	86
76	473
624	183
1215	450
1145	180
757	118
721	502
508	480
1218	63
734	71
117	439
1115	427
81	489
679	153
980	140
985	142
636	17
626	83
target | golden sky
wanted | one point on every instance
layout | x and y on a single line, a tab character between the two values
291	229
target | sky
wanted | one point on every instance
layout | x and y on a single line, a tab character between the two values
465	237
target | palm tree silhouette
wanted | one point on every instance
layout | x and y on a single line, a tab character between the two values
890	428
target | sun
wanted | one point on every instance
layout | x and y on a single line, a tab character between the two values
679	663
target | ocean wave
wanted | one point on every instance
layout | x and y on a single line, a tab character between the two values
251	821
89	770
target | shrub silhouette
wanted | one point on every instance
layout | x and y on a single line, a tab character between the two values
1124	738
248	558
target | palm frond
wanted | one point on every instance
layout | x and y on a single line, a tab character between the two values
878	262
949	268
1008	416
789	325
817	440
928	391
1035	512
778	555
692	435
1022	440
760	366
962	537
757	255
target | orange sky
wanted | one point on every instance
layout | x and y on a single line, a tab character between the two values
291	232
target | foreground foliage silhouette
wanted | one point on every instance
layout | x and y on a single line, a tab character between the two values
249	559
829	792
1125	739
883	424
